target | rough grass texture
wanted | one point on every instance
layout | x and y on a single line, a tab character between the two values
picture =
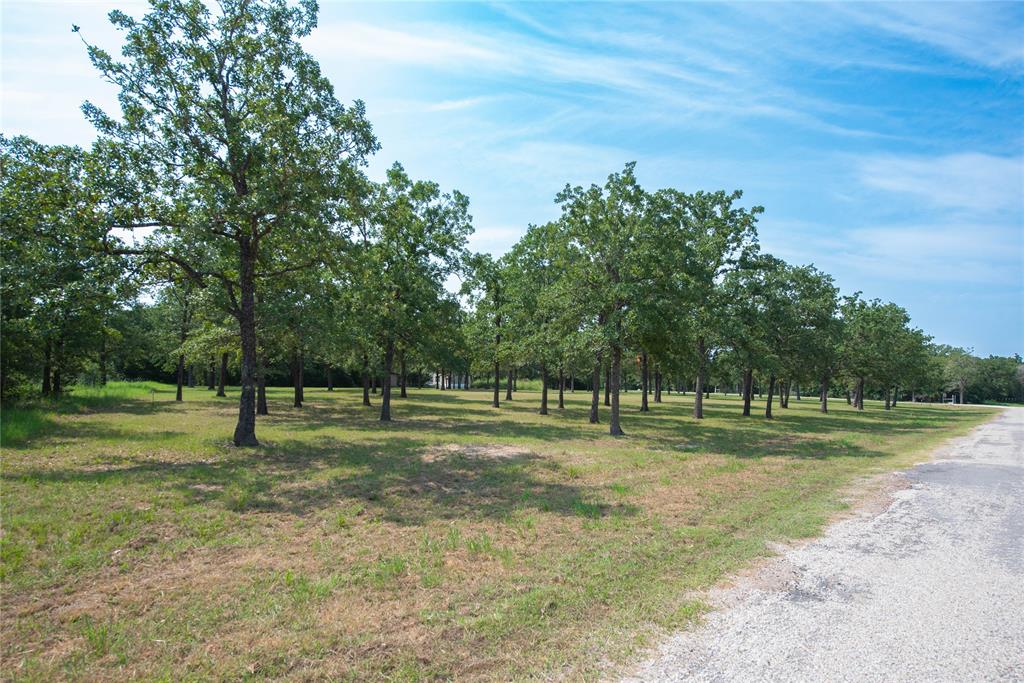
459	542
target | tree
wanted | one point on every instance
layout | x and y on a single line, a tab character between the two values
754	312
707	237
606	226
417	239
486	290
231	138
960	370
57	295
813	337
539	316
876	345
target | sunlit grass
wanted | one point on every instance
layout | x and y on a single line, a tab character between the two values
460	541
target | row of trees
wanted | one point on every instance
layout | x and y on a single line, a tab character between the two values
223	223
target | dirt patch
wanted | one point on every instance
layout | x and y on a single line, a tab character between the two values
871	496
474	452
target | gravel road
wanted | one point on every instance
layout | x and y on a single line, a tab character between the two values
931	589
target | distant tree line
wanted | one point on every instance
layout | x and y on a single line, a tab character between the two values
222	230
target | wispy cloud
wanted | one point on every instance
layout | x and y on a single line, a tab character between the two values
659	79
464	103
986	33
424	46
944	254
969	181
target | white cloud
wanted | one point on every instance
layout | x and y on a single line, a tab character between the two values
464	103
969	181
425	46
983	33
681	84
944	254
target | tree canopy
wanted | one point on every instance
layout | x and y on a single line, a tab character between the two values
223	225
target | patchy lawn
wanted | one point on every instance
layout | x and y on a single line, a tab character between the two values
460	541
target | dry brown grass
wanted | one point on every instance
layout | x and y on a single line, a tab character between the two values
137	547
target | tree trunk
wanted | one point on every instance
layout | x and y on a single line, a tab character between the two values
405	378
784	399
330	378
888	400
616	378
698	395
595	388
191	375
497	384
657	386
57	384
385	388
211	376
543	389
572	383
895	390
245	430
47	369
366	381
771	394
849	394
261	388
508	385
860	394
798	391
373	383
608	385
296	381
103	358
963	392
644	382
824	393
748	391
181	376
223	374
561	389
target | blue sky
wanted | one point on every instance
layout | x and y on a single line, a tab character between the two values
886	142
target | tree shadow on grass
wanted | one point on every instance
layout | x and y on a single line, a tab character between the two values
403	480
667	427
399	470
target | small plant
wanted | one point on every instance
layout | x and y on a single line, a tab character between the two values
620	489
585	509
482	544
453	539
388	568
241	495
102	638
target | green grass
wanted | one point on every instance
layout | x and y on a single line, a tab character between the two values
20	423
460	541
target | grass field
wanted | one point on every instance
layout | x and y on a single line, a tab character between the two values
460	541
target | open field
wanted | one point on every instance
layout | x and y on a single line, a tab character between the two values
459	541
